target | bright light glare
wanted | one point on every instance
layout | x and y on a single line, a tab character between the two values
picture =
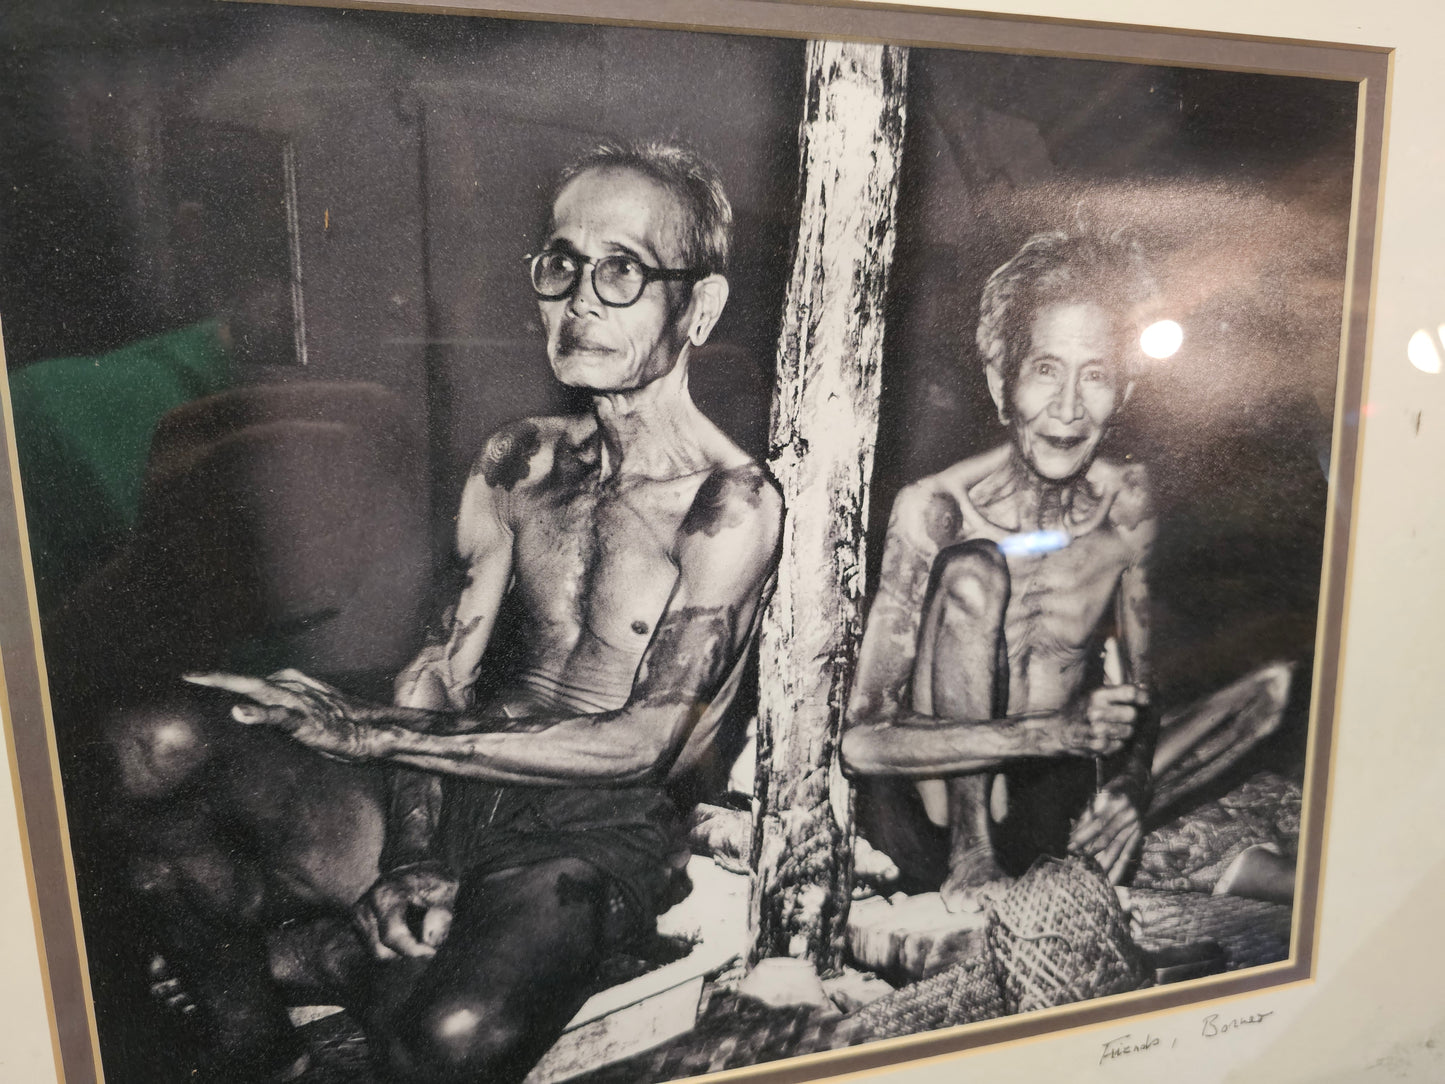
1161	339
1422	352
1033	543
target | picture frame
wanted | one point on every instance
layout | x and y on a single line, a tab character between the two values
32	733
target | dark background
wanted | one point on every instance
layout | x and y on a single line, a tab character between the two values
142	189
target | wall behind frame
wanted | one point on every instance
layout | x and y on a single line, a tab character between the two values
1380	996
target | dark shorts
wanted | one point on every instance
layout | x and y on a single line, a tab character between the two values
631	835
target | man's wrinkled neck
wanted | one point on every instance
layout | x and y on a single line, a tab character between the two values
650	432
1048	504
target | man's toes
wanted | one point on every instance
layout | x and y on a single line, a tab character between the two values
961	899
166	989
966	895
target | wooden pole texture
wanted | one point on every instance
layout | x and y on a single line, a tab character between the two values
824	425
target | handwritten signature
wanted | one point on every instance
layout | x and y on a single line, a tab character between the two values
1213	1026
1210	1027
1125	1045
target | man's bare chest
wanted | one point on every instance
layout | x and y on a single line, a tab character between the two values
1057	599
598	561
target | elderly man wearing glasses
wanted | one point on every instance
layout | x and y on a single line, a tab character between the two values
527	832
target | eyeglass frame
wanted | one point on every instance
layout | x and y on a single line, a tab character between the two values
650	275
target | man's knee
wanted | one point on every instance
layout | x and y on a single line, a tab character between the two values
464	1039
157	748
972	577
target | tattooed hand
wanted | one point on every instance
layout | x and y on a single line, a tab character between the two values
1110	830
315	714
1100	723
382	914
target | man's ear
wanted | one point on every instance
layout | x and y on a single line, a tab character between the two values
994	376
709	295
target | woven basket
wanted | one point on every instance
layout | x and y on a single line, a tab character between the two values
1059	936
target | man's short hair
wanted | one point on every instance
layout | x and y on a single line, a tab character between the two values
707	233
1063	268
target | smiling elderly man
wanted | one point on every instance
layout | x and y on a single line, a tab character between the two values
528	834
982	735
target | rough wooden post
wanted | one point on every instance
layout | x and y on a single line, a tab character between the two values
824	424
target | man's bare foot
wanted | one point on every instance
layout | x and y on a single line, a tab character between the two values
169	992
873	871
974	881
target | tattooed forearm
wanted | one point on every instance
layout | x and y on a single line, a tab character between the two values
686	662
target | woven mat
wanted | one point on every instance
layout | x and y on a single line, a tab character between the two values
1250	932
963	994
733	1033
1058	935
1190	852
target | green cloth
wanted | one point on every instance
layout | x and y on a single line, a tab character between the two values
83	428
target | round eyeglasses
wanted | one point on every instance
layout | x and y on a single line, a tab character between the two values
617	280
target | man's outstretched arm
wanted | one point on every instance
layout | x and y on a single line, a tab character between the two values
725	552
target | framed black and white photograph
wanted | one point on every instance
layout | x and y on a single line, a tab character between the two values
592	543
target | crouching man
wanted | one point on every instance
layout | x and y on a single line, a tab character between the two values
980	728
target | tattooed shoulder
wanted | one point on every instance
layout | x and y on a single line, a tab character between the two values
1131	511
727	498
507	457
915	524
927	515
1134	503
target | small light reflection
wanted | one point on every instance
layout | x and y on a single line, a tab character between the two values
1422	352
1162	339
1032	543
